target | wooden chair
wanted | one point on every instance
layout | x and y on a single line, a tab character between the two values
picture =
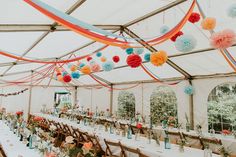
174	137
110	145
193	141
213	143
2	153
96	145
127	151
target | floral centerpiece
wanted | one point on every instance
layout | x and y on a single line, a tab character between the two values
19	114
171	122
86	150
225	132
137	134
33	124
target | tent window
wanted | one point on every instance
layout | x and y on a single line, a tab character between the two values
222	107
126	104
163	104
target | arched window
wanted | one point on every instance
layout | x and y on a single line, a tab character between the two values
126	104
163	104
222	107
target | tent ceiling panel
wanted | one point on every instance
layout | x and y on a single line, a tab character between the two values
2	69
57	44
19	12
116	11
85	80
211	62
24	67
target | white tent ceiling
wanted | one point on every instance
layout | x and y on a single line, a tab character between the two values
17	19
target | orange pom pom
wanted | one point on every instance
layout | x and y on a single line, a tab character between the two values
208	23
103	59
73	68
60	78
158	58
86	69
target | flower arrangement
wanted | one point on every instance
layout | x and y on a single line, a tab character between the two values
171	121
19	114
225	132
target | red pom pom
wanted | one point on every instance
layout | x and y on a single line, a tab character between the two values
116	59
195	17
67	78
58	74
134	60
89	58
176	36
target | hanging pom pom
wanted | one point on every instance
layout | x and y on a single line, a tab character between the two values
95	68
89	58
81	65
208	23
147	57
134	60
64	73
232	11
66	78
139	51
189	90
103	59
223	39
58	70
158	58
86	69
92	62
185	43
129	51
73	68
164	29
194	17
58	74
69	65
75	75
176	36
60	78
108	66
116	59
98	54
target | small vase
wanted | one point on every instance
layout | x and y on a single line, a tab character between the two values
187	127
137	135
181	148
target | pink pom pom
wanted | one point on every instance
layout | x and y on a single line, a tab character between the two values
95	68
223	39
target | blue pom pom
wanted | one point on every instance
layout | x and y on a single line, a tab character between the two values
139	51
75	75
164	29
185	43
189	90
232	11
98	54
81	65
147	57
129	51
108	66
64	73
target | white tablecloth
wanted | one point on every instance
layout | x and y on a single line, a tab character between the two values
12	146
152	150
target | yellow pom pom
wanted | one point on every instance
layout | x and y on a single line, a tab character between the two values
158	58
208	23
86	69
73	68
103	59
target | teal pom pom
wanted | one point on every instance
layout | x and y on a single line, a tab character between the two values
81	65
64	73
98	54
185	43
232	11
69	65
164	29
189	90
147	57
108	66
129	51
75	75
139	51
92	62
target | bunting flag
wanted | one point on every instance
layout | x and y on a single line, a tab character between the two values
97	34
14	93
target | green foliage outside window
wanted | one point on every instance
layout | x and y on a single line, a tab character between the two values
126	104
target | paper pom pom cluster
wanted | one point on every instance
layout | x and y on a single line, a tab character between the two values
208	23
189	90
173	38
185	43
195	17
223	39
67	78
107	66
86	69
158	58
134	60
116	59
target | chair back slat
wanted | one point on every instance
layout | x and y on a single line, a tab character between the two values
109	152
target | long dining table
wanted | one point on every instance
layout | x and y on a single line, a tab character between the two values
12	146
150	149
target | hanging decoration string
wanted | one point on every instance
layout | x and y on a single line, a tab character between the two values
14	93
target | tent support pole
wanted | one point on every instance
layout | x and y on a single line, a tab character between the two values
111	99
30	97
191	109
75	96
